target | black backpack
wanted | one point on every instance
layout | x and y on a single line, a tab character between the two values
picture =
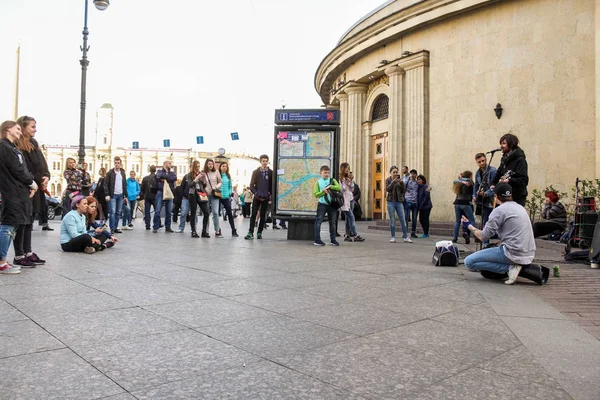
153	184
445	256
336	199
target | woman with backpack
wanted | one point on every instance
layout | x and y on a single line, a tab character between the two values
212	182
463	188
196	192
348	206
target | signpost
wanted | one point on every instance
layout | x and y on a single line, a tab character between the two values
135	145
304	141
167	143
199	139
235	136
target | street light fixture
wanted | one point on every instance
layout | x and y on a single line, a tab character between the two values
100	5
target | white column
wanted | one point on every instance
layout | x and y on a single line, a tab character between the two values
364	180
395	118
357	95
344	140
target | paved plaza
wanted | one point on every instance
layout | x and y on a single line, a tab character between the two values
165	316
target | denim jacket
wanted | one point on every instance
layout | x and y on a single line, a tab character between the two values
489	192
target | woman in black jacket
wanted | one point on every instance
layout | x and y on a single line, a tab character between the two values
463	187
36	163
193	187
17	187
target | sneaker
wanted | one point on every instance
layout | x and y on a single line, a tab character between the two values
218	234
8	269
154	230
179	231
337	235
276	227
89	250
109	243
467	238
319	243
205	235
148	228
407	240
249	236
234	233
47	228
34	257
424	236
414	235
454	240
348	239
284	227
259	235
393	240
24	262
130	225
169	230
195	234
117	231
126	228
334	243
359	238
513	273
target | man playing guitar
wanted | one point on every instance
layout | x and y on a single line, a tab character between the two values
513	168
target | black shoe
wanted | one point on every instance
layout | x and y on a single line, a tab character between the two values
147	228
117	231
467	238
334	243
205	235
195	234
337	235
414	235
276	227
284	227
47	228
234	233
24	262
169	230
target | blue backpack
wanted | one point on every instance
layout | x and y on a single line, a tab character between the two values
445	256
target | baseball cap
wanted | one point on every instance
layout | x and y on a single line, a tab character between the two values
503	190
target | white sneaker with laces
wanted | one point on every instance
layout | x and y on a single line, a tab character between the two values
407	240
179	231
393	240
513	273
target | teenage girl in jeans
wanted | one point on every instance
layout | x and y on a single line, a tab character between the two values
212	180
395	203
347	192
227	190
463	187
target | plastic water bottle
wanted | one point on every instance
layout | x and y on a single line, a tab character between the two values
556	271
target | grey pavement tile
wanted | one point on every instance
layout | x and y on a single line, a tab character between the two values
42	289
479	384
284	301
287	263
264	380
407	281
233	287
238	269
339	274
185	276
106	325
354	318
38	275
346	291
419	306
462	291
481	317
207	312
89	271
9	313
274	336
22	337
69	304
49	375
371	368
134	281
153	360
520	364
122	396
458	345
291	281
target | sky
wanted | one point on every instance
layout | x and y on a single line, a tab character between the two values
172	69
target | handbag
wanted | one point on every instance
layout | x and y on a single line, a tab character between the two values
215	192
336	198
203	196
167	192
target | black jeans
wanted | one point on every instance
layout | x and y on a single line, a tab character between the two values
262	206
78	244
22	241
546	228
424	220
323	209
246	210
227	206
147	214
195	202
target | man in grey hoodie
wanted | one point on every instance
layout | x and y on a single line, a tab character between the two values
512	225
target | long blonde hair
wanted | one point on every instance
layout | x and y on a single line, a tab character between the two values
24	143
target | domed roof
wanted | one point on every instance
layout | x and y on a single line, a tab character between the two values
106	105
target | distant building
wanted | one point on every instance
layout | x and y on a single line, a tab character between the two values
138	160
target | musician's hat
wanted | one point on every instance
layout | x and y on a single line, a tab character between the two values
503	190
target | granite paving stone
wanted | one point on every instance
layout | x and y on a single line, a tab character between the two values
284	301
8	313
53	375
274	336
419	306
345	291
153	360
264	380
291	280
59	287
22	337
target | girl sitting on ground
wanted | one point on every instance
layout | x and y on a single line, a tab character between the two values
73	233
95	227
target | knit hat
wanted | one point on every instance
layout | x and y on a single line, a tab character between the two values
76	200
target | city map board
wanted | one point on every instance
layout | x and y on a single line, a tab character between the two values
300	155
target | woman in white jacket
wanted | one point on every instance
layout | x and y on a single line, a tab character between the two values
347	191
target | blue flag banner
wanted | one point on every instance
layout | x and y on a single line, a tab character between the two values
136	145
166	143
235	136
199	139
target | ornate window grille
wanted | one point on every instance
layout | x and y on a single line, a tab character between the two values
380	108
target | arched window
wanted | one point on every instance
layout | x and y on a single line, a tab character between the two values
59	190
380	108
53	191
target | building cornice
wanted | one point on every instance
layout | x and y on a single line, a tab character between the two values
387	24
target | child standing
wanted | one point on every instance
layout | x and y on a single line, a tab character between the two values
321	191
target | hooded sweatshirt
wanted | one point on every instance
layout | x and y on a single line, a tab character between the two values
514	167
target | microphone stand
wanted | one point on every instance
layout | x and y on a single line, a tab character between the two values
483	187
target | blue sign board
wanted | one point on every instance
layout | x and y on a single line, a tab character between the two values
322	116
235	136
136	145
166	143
199	139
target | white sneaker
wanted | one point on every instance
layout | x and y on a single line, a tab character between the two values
407	240
125	228
393	240
179	231
513	273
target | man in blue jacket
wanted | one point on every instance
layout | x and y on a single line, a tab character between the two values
133	191
164	176
482	191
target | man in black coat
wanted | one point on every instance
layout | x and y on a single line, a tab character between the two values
17	187
115	190
148	190
513	168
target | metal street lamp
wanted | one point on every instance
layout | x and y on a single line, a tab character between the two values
100	5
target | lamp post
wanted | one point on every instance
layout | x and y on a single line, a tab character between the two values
100	5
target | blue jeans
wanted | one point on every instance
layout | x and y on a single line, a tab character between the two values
459	211
185	209
396	207
411	210
7	234
158	205
115	205
215	203
492	259
350	222
147	214
128	212
323	209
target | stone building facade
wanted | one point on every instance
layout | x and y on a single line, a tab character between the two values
417	83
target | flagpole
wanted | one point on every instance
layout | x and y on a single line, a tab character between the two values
17	77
